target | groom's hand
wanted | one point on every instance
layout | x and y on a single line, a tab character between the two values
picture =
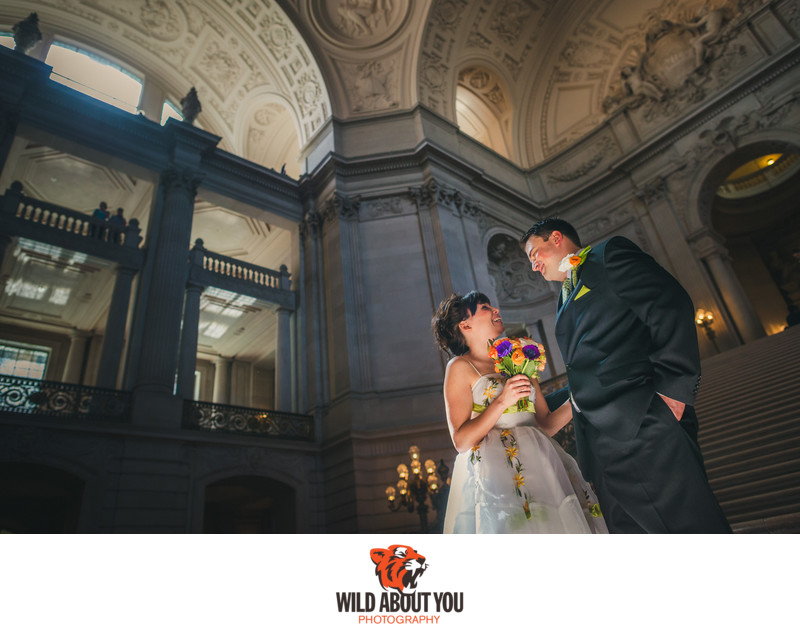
675	406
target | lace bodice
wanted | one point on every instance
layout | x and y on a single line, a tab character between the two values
485	390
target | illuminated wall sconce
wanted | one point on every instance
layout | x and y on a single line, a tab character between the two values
705	320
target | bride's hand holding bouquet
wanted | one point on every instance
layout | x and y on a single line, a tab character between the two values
518	356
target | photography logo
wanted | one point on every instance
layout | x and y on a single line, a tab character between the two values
398	569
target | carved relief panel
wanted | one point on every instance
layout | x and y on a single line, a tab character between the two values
511	273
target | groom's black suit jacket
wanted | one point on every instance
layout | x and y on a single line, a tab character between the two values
626	333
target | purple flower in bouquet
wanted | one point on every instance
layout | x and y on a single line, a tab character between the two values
531	352
504	348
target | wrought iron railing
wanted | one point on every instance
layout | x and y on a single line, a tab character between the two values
239	420
26	396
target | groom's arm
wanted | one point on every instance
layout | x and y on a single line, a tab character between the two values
662	304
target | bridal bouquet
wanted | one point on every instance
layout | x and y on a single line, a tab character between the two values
513	356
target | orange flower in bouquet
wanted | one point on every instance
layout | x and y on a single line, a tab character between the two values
513	356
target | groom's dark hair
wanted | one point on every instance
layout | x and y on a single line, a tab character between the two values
545	227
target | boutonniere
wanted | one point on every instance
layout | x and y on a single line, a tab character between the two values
573	261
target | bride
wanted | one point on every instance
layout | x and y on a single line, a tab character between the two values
509	475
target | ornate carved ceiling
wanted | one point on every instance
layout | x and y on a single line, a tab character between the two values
263	67
242	56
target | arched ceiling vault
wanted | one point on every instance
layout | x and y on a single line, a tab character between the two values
570	63
231	50
263	63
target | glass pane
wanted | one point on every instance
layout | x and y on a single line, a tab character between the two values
21	361
95	76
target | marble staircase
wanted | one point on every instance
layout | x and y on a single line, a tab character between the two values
749	411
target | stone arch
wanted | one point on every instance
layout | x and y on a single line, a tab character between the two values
747	241
226	54
269	489
268	132
483	106
37	498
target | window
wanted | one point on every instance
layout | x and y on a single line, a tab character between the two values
93	75
23	360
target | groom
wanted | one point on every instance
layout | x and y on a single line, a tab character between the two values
626	332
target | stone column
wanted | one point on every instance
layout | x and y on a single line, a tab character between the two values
114	339
736	299
5	242
311	231
75	356
187	360
709	248
162	320
8	129
222	380
283	361
353	350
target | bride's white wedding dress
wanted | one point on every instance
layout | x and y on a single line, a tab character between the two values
518	479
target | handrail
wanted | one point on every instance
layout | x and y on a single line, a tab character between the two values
239	420
26	396
28	209
211	268
234	268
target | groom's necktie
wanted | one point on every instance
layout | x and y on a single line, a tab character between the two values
567	286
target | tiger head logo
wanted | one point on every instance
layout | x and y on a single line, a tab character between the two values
398	567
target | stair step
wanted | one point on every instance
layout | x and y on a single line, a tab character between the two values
781	398
778	462
713	458
774	501
787	483
749	412
786	523
756	436
743	426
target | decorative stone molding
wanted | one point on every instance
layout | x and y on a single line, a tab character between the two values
359	23
707	242
606	224
689	50
371	86
196	40
499	27
342	207
385	207
652	191
485	85
511	272
187	179
585	162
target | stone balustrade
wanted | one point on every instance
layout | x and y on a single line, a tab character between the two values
47	214
212	269
227	266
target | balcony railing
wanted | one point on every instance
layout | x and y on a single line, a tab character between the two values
239	420
26	396
208	268
32	211
236	269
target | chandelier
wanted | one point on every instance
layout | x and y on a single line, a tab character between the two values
420	485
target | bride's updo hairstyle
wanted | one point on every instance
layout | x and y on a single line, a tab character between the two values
450	313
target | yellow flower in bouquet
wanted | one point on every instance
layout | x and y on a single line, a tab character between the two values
513	356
